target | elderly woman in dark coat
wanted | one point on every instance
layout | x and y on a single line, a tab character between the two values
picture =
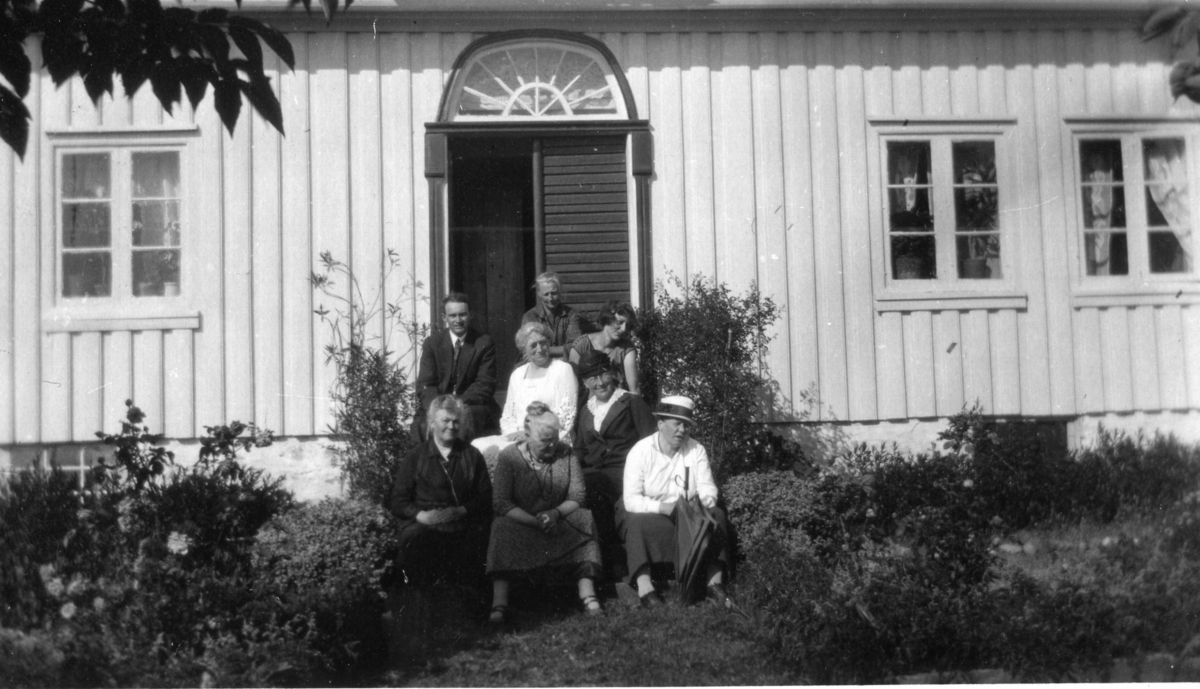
442	497
611	422
540	520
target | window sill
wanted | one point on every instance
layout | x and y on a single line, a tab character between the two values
962	300
1119	298
80	320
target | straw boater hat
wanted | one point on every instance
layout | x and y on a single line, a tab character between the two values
675	407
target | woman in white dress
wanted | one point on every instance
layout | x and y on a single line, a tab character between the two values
542	379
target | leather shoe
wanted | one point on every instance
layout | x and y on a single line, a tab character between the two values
652	600
716	593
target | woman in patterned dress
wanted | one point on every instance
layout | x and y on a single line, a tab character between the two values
540	523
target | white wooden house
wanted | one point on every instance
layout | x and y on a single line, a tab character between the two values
953	201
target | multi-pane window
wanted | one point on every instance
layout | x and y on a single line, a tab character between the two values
119	220
943	218
1137	216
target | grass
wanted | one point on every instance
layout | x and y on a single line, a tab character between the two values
551	644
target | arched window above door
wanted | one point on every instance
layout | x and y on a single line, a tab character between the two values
538	76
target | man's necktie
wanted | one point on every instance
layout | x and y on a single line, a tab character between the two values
457	350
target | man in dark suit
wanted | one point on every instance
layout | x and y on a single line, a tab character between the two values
460	361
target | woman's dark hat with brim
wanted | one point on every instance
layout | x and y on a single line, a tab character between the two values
593	364
675	407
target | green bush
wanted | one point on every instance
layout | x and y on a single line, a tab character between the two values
709	344
1148	473
329	559
37	511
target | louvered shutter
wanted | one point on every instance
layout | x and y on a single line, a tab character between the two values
587	218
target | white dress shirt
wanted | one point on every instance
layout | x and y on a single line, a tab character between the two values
651	476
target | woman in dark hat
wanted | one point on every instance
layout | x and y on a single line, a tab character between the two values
660	471
609	424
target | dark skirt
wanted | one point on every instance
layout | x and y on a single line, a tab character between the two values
441	554
603	493
650	539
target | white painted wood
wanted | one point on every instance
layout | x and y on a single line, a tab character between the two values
1143	355
1191	344
1123	51
888	327
831	327
118	108
737	226
238	305
855	227
298	258
426	92
366	215
1114	354
330	199
145	110
209	342
1025	81
267	263
992	79
87	385
50	372
1006	362
976	359
935	74
906	79
721	168
799	231
1055	300
920	378
668	192
633	61
770	212
948	363
8	305
965	54
179	383
1171	357
1089	365
698	156
1099	73
400	181
83	113
118	379
148	380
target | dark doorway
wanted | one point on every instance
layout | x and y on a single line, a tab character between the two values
491	236
523	204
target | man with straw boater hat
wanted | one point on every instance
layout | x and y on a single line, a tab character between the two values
662	472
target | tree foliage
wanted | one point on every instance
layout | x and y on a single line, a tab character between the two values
177	50
1183	25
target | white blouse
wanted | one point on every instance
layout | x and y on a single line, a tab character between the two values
556	387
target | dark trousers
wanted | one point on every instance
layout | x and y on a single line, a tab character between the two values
650	539
603	493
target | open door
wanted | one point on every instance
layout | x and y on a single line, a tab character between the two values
520	205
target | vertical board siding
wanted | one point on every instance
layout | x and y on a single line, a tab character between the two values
298	257
267	279
763	155
769	212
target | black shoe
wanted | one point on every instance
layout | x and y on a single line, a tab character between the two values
716	593
652	600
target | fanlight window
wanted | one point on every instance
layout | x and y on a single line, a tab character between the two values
544	80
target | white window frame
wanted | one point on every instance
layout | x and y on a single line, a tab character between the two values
947	291
1139	286
122	310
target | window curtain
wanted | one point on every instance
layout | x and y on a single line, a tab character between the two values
1101	172
1166	180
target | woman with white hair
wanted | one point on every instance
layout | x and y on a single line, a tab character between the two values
540	523
541	379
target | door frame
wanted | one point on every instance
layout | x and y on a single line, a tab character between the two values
639	157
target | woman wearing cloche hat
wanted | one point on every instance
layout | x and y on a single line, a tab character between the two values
661	470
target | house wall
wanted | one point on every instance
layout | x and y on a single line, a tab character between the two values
761	140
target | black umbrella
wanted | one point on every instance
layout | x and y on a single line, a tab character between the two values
694	530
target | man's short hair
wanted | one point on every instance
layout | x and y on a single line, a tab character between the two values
456	297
